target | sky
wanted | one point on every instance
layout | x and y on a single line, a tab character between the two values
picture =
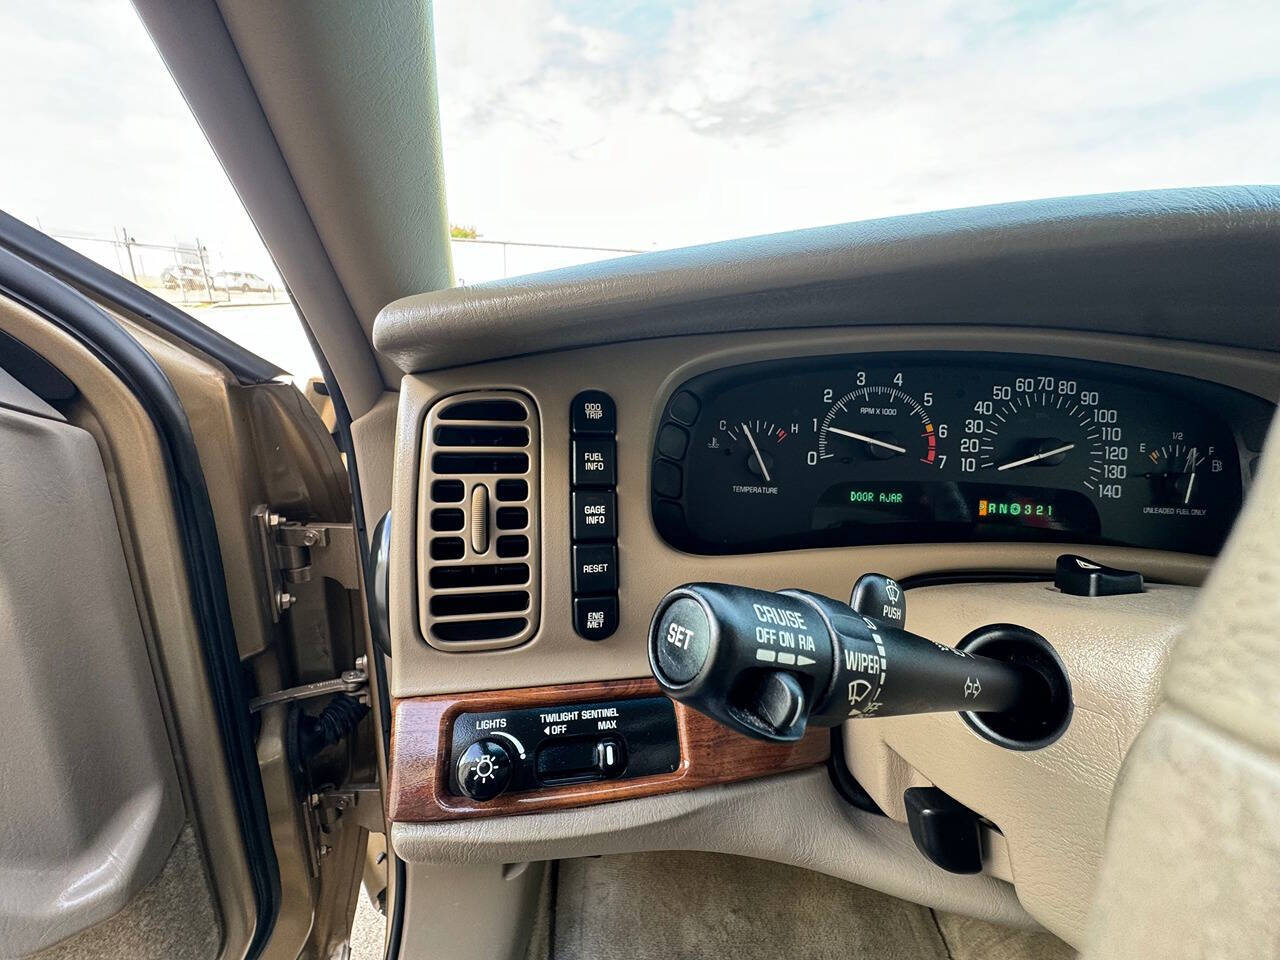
647	125
96	136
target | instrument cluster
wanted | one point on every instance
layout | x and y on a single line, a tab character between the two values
943	446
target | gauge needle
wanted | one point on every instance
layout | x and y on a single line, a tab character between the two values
1191	466
756	450
1039	456
871	440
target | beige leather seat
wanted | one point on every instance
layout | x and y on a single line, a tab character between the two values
1192	865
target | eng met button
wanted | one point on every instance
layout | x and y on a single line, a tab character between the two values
595	618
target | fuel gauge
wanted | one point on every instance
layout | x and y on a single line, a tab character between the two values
1183	475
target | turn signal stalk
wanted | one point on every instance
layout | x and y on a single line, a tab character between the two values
771	664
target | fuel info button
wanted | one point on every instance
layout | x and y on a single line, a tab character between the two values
682	641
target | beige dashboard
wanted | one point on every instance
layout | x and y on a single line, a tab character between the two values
640	376
1038	867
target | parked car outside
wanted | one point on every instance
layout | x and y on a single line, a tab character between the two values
182	276
241	280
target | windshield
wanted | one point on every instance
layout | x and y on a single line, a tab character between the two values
641	126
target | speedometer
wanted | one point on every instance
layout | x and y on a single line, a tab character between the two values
1054	436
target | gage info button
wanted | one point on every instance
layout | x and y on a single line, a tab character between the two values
595	515
595	568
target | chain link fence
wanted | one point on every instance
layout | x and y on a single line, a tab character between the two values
252	307
184	273
190	274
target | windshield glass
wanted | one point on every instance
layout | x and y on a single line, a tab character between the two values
603	127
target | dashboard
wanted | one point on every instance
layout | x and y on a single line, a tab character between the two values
953	400
924	446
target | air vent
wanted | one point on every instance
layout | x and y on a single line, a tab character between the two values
478	575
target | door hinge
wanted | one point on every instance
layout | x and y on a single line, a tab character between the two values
354	681
361	802
294	552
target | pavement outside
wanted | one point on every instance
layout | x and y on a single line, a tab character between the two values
368	931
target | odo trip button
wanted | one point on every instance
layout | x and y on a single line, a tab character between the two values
682	639
592	413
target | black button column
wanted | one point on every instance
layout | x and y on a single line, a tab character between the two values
593	502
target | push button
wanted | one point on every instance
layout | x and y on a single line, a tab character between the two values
672	441
595	515
683	408
595	618
595	568
592	413
594	463
684	634
667	479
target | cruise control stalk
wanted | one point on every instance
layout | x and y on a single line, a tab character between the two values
771	664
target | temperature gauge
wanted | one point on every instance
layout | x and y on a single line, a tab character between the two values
752	446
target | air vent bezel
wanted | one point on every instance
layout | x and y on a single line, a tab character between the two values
431	481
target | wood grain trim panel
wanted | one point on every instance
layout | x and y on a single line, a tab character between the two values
421	729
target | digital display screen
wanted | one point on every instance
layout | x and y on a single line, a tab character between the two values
1037	508
979	508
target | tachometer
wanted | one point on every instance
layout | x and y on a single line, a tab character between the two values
877	423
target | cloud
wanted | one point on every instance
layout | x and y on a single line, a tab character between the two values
642	125
637	124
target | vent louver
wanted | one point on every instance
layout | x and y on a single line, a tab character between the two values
478	550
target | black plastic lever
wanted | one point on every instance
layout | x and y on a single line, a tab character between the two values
771	664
